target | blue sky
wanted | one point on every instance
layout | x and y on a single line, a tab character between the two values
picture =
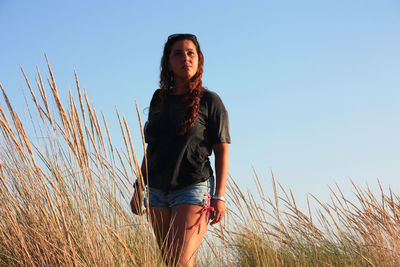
312	87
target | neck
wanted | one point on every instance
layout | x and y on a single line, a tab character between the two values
180	87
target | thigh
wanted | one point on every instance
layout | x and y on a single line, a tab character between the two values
159	214
188	228
160	218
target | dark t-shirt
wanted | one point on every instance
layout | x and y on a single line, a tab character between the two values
177	161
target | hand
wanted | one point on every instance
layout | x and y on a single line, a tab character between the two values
136	201
219	210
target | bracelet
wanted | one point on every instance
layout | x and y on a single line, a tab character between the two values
218	198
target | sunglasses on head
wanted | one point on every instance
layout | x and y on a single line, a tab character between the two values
183	36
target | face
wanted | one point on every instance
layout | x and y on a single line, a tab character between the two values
183	59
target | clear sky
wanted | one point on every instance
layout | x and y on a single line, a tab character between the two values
312	87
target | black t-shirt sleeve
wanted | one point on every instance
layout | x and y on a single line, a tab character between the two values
218	121
153	105
146	136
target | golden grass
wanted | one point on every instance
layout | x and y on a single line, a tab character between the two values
65	189
341	233
63	193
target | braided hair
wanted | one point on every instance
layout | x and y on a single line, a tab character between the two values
191	102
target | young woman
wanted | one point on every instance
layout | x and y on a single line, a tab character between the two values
186	123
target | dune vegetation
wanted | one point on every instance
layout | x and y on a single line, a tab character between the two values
65	192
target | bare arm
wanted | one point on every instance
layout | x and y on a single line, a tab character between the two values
137	198
221	152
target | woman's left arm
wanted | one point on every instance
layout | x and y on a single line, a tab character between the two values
221	172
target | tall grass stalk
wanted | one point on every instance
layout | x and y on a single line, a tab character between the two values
275	232
65	192
65	189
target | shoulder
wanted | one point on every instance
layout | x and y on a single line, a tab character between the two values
155	100
156	96
156	93
213	103
211	97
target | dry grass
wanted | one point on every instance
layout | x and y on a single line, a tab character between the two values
65	189
341	233
65	192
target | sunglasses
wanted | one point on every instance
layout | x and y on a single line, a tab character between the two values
183	36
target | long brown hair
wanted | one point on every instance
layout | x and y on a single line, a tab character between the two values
191	103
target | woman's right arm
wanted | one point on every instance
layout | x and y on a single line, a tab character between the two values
137	198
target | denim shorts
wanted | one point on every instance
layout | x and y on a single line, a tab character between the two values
196	194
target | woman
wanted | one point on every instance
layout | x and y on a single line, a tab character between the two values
186	123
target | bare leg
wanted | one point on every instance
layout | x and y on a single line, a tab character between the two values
185	237
160	218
